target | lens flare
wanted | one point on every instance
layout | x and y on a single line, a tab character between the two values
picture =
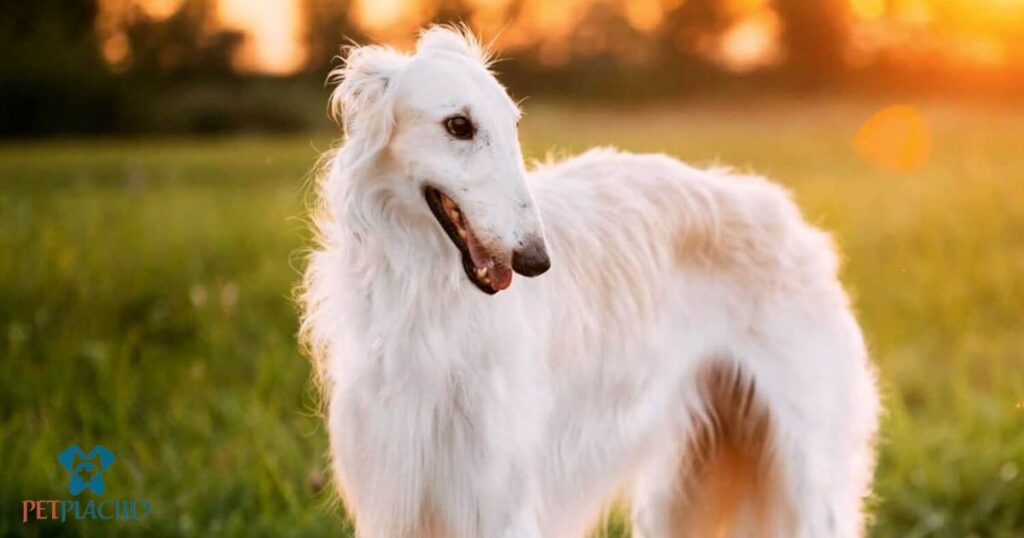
896	138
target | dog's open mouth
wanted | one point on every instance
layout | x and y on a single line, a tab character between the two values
483	268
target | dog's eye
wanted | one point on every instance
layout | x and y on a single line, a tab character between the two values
460	127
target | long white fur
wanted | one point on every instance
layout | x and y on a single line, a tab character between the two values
524	414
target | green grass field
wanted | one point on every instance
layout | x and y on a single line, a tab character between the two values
145	305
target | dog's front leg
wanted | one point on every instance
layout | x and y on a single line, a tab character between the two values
377	455
407	470
483	488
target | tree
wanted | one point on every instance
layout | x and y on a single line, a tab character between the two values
187	43
329	26
451	12
52	76
691	29
815	35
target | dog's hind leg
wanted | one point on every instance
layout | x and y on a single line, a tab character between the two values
824	430
720	481
763	460
657	493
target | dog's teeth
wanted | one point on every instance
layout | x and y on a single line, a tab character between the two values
481	272
462	233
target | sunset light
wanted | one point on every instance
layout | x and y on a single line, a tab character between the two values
981	32
378	15
160	8
272	26
868	9
752	42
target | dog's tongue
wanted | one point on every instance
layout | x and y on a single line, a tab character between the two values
501	276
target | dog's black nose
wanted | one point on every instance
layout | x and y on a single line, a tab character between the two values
531	259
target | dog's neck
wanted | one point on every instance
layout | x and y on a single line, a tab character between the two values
387	246
405	284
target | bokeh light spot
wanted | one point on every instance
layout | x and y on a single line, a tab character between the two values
868	9
896	138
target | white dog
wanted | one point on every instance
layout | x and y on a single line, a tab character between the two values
690	344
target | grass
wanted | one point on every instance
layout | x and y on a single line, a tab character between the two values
144	305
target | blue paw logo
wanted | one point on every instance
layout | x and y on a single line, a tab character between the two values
86	468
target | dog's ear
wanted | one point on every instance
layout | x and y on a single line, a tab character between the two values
360	99
458	39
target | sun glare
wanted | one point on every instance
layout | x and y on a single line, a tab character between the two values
868	9
752	42
272	27
644	15
378	16
161	9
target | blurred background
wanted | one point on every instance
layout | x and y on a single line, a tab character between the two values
131	66
156	162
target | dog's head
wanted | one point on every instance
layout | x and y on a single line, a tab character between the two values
440	125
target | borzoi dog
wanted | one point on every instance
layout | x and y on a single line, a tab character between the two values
683	339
